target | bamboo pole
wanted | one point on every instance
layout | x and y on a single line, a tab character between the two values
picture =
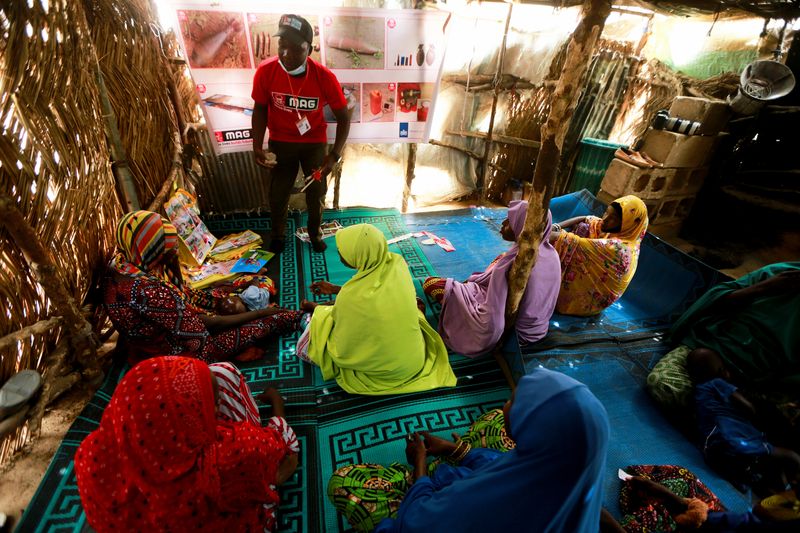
410	166
497	138
487	147
119	159
554	130
174	174
81	335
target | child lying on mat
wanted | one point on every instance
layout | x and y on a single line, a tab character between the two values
732	443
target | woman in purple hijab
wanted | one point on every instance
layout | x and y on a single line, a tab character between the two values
473	312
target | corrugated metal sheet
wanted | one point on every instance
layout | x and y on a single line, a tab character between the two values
231	183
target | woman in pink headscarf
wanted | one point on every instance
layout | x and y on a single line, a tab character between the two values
473	312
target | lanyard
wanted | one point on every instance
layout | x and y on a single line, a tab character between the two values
291	89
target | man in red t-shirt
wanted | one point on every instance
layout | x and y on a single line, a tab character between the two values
290	91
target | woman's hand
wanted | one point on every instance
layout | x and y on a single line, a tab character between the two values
324	287
416	455
308	306
286	468
438	446
272	396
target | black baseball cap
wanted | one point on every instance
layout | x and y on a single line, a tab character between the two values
296	29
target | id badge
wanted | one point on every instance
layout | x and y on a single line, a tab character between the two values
303	125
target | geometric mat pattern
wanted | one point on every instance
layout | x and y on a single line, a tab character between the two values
612	354
334	428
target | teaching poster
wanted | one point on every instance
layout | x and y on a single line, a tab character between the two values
388	62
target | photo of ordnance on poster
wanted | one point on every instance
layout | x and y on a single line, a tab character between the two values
388	62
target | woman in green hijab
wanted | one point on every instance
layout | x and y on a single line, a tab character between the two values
373	339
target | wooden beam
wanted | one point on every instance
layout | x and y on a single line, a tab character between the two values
498	138
487	147
177	166
410	166
79	330
43	326
119	158
554	131
464	151
337	183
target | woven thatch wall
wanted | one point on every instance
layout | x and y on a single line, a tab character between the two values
133	67
54	163
54	157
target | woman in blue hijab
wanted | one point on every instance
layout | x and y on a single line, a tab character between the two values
550	482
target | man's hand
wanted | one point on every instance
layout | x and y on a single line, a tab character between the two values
327	165
265	158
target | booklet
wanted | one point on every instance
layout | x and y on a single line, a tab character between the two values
326	229
253	261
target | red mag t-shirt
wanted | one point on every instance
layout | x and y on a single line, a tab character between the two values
286	96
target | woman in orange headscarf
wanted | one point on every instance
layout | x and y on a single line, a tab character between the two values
598	259
156	314
180	447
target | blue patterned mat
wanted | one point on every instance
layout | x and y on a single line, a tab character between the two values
334	427
612	354
666	283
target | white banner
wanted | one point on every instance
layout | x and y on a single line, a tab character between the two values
388	62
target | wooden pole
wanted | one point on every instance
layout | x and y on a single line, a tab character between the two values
43	326
177	167
410	166
337	183
119	158
82	338
554	130
487	148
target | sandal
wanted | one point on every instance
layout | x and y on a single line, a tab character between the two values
633	158
18	391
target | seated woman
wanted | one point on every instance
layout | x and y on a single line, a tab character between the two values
473	312
671	498
156	314
598	260
552	480
374	339
180	447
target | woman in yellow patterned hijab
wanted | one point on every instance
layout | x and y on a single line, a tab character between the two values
599	259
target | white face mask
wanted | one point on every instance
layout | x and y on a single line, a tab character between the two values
296	72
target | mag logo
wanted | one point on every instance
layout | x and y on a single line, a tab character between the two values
233	135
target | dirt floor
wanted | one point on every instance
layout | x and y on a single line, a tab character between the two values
25	470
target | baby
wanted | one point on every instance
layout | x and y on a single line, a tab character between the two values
732	443
232	305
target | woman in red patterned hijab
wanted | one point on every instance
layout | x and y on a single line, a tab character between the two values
163	459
